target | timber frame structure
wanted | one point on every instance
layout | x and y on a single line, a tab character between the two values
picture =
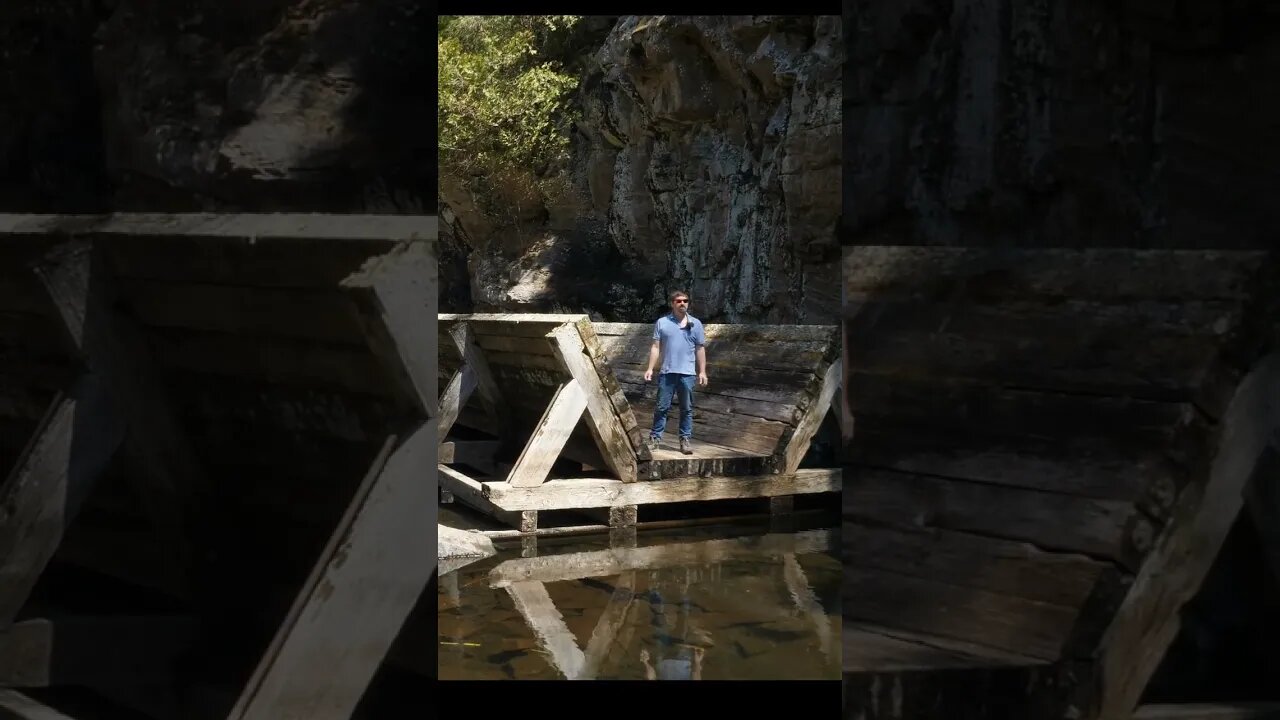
1050	448
227	421
562	399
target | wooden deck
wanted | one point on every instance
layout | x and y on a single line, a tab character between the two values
1050	447
564	413
232	413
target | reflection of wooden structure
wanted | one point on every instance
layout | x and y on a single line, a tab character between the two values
189	404
559	391
1049	449
524	579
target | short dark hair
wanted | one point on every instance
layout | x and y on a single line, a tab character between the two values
675	294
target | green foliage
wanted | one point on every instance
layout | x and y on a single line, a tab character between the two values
502	107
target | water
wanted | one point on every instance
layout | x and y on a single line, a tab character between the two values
711	604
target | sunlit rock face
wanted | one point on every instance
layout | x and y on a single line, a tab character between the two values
204	105
1063	123
707	158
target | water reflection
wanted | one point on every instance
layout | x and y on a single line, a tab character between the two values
679	607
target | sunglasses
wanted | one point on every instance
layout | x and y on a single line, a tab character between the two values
682	301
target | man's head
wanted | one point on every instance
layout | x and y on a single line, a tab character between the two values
679	302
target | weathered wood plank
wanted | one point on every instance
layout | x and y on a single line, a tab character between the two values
396	296
88	650
543	448
602	418
603	563
1149	618
471	492
363	586
67	456
870	648
747	333
596	493
965	560
297	313
1002	622
935	404
1096	468
1050	521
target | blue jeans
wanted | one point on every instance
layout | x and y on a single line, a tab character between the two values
668	385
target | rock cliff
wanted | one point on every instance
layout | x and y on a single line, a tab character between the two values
257	105
707	157
1062	123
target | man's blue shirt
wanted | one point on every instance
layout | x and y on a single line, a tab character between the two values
679	344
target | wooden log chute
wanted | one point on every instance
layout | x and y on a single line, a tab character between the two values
258	367
1035	437
561	388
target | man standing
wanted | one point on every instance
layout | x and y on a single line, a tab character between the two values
679	340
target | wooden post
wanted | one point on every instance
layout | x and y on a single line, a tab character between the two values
170	479
605	425
553	431
71	448
367	581
1148	619
455	397
794	446
490	395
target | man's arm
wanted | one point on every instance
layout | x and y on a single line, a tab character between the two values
654	351
700	337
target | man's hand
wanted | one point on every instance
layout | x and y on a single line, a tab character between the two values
702	378
648	376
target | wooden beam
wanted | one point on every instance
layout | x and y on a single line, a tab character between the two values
396	296
606	426
490	395
575	493
616	561
16	706
1149	618
794	442
69	452
106	650
455	397
540	614
471	492
366	582
170	480
553	431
